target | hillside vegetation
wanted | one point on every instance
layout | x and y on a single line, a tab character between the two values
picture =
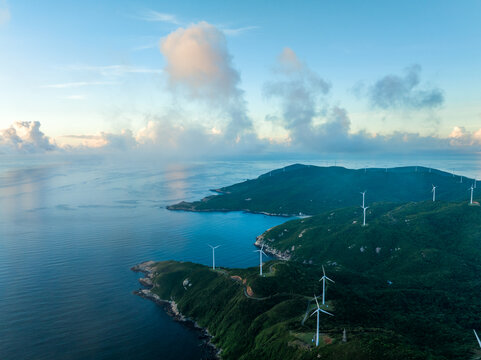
311	189
406	285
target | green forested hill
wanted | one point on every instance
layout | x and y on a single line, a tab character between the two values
312	189
407	284
415	242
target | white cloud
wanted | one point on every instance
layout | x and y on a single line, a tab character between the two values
238	31
25	137
114	70
155	16
78	84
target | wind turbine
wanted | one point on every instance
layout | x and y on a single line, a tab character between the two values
318	310
434	193
213	255
461	180
477	338
364	213
260	258
472	189
323	279
363	197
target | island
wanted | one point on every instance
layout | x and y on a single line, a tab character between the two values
308	190
406	285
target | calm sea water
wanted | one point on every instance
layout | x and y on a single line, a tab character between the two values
70	229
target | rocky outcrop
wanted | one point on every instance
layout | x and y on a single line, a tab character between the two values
211	352
281	255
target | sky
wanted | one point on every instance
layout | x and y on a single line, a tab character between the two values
246	77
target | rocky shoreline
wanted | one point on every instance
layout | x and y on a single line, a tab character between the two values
281	255
210	351
185	206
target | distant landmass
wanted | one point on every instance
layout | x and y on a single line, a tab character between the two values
406	284
306	189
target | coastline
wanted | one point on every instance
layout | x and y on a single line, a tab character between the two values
178	207
280	255
171	308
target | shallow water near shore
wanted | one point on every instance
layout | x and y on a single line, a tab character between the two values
70	229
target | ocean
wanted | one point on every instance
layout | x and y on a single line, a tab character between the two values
71	228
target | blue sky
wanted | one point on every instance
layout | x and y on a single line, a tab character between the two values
91	68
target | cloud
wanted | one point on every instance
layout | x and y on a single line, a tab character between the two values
199	66
238	31
4	13
123	141
299	92
155	16
461	137
405	92
314	125
113	70
78	84
25	137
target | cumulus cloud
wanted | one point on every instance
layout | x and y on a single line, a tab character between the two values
299	92
4	12
405	92
25	137
315	125
199	66
461	137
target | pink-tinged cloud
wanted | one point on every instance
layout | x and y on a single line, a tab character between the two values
200	67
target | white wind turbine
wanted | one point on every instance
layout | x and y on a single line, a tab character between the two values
477	338
434	193
364	208
472	190
318	310
323	279
213	255
260	257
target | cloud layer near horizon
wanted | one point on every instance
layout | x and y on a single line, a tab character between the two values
199	69
25	137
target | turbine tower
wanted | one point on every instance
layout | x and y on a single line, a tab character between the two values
318	310
213	255
323	279
363	197
434	193
364	213
472	189
477	338
260	257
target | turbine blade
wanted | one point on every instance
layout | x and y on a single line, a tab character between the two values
330	279
263	253
314	312
325	312
477	338
315	298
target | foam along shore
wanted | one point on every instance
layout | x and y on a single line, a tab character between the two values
170	306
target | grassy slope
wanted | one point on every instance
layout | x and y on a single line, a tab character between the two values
312	189
427	313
